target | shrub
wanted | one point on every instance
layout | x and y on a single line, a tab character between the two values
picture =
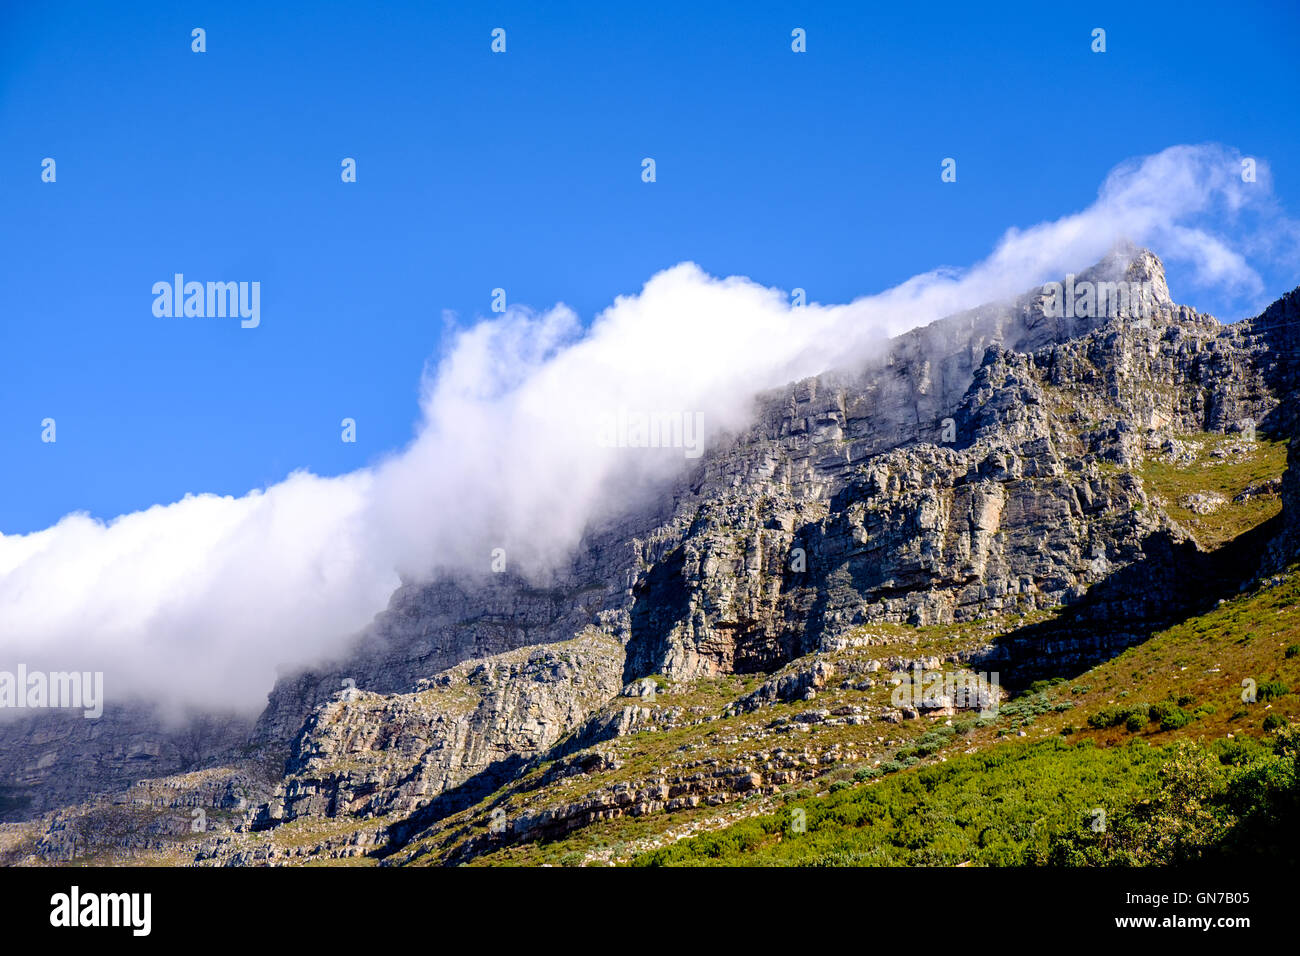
1162	709
1274	721
1174	719
1239	750
1106	717
1114	716
1135	723
1271	689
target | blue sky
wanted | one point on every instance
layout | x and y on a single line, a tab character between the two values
520	171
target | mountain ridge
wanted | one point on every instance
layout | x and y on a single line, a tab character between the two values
1031	506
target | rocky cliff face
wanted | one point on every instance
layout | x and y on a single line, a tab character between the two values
986	467
54	759
1276	336
365	754
843	503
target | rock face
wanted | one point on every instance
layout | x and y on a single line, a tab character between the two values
825	523
467	729
842	504
55	759
980	467
1277	331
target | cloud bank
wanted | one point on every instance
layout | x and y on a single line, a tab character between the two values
198	602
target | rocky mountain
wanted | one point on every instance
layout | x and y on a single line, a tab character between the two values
843	504
1007	489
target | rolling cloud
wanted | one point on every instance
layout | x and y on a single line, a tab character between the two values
199	601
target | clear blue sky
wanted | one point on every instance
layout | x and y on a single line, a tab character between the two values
521	171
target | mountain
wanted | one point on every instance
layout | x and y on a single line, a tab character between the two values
1016	490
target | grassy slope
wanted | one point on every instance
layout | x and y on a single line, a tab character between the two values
1224	465
1007	804
1201	663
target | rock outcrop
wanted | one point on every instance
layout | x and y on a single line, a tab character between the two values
458	736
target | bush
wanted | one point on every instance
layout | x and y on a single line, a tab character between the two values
1135	723
1175	718
1237	751
1170	715
1106	717
1161	709
1292	650
1114	716
1271	689
1274	721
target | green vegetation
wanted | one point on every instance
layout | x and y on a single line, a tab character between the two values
1227	474
1033	801
1032	804
989	808
1134	717
1272	689
1233	801
1059	750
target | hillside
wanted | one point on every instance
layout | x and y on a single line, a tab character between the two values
1095	516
